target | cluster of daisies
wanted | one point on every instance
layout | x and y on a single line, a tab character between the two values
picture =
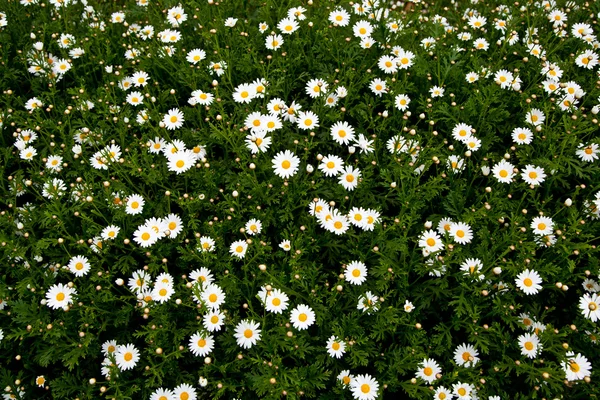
331	219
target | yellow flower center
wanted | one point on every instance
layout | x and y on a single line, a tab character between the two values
248	333
276	302
214	319
528	282
337	225
179	164
356	273
430	242
350	178
528	346
201	343
286	164
128	356
212	298
462	391
162	292
239	249
145	236
60	296
503	173
427	371
302	317
365	388
335	346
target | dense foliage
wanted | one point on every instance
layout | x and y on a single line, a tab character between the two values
242	199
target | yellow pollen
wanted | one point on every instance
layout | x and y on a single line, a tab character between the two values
528	346
201	343
528	282
145	236
427	371
214	319
350	178
180	163
162	292
356	273
330	164
244	94
335	346
462	391
60	296
365	388
503	173
286	164
239	249
430	242
173	119
337	225
79	266
276	302
308	122
128	356
466	356
248	333
533	175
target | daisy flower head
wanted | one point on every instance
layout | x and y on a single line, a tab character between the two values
378	86
180	161
362	29
285	245
442	393
357	217
368	303
535	117
162	292
302	317
145	236
588	153
288	25
342	132
201	97
339	17
60	296
466	355
331	165
185	392
273	42
127	356
140	79
285	164
217	68
79	265
316	87
590	306
463	391
135	204
356	273
431	241
533	175
522	135
244	93
258	141
238	248
162	394
262	27
402	101
462	132
253	227
503	171
336	347
195	56
455	163
576	367
461	232
388	64
275	301
213	320
364	387
542	225
349	178
529	344
472	267
436	91
201	344
408	306
588	60
481	44
247	333
212	296
173	119
331	100
405	60
307	120
345	377
372	218
472	77
529	282
428	369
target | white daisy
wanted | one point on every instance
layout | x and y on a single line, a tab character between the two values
356	273
127	357
201	344
302	317
79	265
247	333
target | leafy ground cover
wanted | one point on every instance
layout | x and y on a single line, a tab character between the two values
299	199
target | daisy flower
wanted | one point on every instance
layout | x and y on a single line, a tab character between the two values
140	79
372	218
79	265
364	387
316	87
349	177
503	171
472	77
185	392
127	357
378	86
589	306
529	344
431	241
302	317
336	347
145	236
402	101
529	282
275	301
362	29
258	141
463	391
588	153
173	119
213	296
110	232
481	44
345	377
473	143
201	344
238	248
180	161
368	303
331	165
288	25
201	97
356	273
533	175
162	292
342	132
522	135
466	355
195	56
462	132
441	393
588	60
285	245
535	117
339	17
388	64
162	394
456	163
472	267
307	120
273	42
542	225
461	232
207	244
285	164
576	367
428	369
213	320
253	227
60	296
247	333
405	59
244	93
408	306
